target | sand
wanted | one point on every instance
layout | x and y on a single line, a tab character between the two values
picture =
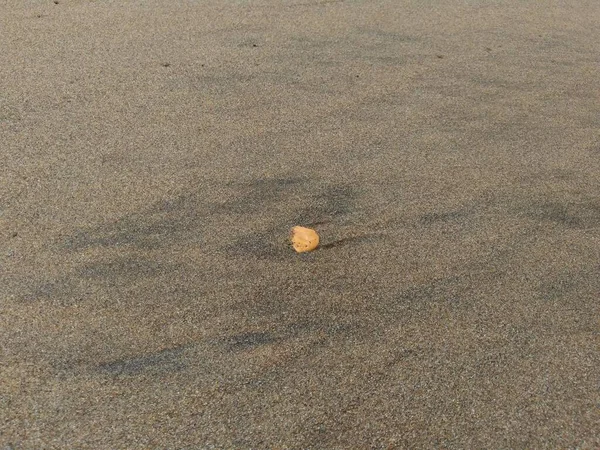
156	154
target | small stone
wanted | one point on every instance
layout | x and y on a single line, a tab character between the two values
304	239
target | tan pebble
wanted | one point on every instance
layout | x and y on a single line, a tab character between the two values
304	239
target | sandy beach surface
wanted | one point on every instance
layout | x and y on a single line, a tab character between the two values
155	154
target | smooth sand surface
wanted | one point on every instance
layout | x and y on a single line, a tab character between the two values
155	154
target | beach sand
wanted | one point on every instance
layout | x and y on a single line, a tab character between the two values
156	154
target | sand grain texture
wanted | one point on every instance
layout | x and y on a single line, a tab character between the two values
155	155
